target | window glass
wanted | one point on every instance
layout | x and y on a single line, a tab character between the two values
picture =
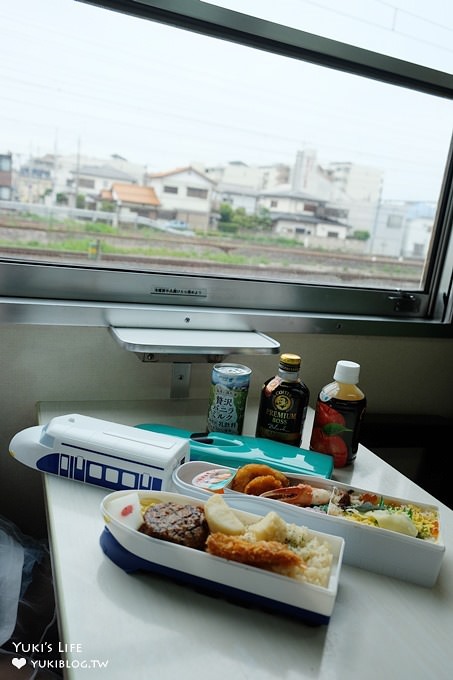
413	30
140	146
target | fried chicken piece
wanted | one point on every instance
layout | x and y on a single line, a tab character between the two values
270	555
261	484
248	472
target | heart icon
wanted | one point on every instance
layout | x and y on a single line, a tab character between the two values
19	662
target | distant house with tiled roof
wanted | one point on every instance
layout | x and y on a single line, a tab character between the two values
131	200
184	194
90	180
301	215
94	178
237	196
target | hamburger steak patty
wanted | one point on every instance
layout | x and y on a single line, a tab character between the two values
182	524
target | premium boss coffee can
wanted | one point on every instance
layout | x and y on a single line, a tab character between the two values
228	397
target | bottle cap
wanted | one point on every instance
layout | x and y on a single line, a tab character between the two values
347	372
290	362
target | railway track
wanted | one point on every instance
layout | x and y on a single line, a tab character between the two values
286	262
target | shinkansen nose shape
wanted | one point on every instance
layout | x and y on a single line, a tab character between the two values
100	452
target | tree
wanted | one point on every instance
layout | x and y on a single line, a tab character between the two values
226	212
361	235
61	198
241	218
233	220
263	219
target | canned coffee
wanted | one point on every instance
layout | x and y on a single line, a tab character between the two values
228	397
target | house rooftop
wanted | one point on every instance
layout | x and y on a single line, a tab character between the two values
178	171
287	192
229	188
106	171
131	193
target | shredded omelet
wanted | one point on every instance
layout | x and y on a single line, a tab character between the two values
408	519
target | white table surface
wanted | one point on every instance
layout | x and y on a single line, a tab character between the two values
149	628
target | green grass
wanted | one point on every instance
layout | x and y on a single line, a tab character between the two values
182	249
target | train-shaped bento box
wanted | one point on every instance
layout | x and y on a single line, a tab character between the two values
100	452
117	456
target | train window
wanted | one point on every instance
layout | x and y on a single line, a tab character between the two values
240	164
145	481
46	439
95	471
112	475
64	463
129	479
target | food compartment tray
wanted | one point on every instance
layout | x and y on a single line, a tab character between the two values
375	549
132	550
380	550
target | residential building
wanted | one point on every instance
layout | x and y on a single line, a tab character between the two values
6	176
235	195
305	217
184	194
130	201
357	182
275	175
51	178
33	181
308	176
355	188
235	173
403	229
89	181
239	174
420	222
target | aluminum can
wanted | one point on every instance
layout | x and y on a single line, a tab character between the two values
228	398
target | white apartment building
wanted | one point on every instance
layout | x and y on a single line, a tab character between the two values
357	182
403	229
258	177
309	177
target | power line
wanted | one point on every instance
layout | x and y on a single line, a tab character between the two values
382	27
415	16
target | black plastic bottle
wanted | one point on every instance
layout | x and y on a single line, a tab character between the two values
283	403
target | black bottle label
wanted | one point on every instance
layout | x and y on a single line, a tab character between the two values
282	411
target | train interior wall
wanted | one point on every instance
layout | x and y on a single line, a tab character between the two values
407	383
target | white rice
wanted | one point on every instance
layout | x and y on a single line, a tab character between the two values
316	554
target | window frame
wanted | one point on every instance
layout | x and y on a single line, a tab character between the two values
62	294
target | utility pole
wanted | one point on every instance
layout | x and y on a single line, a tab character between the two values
77	173
53	197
